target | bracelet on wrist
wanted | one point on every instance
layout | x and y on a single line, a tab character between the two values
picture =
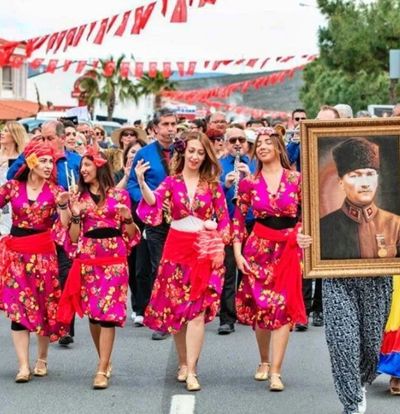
128	220
75	219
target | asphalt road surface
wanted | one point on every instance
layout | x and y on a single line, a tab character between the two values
143	380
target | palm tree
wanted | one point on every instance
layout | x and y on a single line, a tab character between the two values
155	86
96	87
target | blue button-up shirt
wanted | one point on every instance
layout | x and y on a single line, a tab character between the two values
227	165
158	171
293	150
72	159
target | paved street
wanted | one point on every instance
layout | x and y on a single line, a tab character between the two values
144	378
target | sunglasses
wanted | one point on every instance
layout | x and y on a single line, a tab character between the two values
70	133
233	140
298	118
99	133
85	132
218	139
128	134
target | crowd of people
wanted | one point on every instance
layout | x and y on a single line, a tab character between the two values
198	219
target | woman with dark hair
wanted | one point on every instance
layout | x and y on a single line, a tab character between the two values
188	286
29	287
270	295
101	235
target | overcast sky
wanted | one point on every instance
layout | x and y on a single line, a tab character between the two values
230	29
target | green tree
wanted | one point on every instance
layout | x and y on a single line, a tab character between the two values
97	87
155	86
354	54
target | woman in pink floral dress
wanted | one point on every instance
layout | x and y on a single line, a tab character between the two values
101	235
188	286
270	295
29	287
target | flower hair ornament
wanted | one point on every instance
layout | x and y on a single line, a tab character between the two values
266	131
179	145
94	153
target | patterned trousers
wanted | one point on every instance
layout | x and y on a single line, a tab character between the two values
355	313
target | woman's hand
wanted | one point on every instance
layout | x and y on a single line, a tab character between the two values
218	260
124	211
140	170
303	240
76	206
242	264
62	198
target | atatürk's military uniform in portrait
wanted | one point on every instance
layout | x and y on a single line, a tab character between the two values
356	308
354	232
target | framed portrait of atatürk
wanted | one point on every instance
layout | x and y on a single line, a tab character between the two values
351	197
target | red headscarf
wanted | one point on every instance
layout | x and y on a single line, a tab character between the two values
94	153
32	152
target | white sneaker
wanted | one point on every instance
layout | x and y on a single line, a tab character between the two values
138	321
133	315
362	406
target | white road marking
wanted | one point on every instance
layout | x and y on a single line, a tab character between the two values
182	404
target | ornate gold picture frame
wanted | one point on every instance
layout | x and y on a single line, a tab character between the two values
351	212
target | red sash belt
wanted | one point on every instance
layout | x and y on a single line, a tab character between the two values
183	248
70	301
40	243
287	271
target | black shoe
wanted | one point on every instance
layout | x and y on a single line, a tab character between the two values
158	335
301	327
226	329
66	340
318	319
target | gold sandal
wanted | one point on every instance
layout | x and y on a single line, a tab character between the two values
262	375
21	378
182	373
100	381
40	372
192	383
276	383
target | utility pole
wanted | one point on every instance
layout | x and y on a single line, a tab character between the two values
394	74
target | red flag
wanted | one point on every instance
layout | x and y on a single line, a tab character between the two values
109	68
112	21
81	65
92	25
51	41
139	69
240	61
124	69
181	68
206	63
142	17
30	46
40	42
153	69
94	64
69	39
16	61
164	7
36	63
251	62
166	69
264	62
204	2
191	68
98	40
78	36
180	12
52	65
121	29
67	64
60	40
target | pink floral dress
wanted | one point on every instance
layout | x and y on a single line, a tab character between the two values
170	307
103	288
29	287
256	301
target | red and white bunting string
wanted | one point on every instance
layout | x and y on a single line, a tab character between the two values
98	30
129	68
223	92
